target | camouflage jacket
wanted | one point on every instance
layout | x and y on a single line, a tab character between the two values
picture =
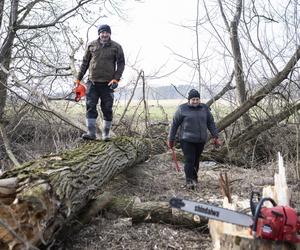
104	61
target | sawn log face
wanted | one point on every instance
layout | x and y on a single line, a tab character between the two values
41	195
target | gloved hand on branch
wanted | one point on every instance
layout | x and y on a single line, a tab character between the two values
171	144
216	142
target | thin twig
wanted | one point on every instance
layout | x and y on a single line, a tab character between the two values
8	150
225	186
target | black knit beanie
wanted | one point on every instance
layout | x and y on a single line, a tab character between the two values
104	27
193	93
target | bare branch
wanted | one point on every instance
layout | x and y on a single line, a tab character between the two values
261	93
222	92
57	20
223	15
7	146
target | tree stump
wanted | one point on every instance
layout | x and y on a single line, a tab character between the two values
40	196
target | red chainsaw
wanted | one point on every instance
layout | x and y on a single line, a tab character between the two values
77	93
278	223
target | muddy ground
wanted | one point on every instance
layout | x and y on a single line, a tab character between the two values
159	181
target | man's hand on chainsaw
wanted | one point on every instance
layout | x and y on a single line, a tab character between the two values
113	84
79	90
171	144
216	142
77	82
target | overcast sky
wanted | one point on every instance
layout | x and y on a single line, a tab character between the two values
152	27
154	31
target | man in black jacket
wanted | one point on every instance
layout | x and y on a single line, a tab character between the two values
105	60
193	118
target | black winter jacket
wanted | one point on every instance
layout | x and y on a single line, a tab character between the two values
193	122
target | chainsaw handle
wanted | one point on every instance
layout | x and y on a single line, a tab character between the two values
254	200
257	212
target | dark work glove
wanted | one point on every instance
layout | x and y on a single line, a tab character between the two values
113	84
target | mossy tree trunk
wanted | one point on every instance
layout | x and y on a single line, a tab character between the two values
42	195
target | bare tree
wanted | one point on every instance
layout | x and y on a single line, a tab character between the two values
232	29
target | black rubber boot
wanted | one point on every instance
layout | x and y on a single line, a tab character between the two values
105	130
88	137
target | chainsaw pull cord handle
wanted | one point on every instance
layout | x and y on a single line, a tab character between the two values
257	212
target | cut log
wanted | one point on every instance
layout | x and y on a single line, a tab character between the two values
39	197
239	243
153	212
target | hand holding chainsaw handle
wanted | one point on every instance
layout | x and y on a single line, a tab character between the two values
79	90
77	82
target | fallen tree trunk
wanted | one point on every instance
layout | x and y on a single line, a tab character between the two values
261	93
258	127
39	197
139	212
250	133
153	212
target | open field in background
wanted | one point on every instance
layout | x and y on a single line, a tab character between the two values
162	110
159	110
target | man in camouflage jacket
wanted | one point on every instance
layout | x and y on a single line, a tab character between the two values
105	60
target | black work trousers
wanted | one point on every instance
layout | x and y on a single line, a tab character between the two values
96	91
191	152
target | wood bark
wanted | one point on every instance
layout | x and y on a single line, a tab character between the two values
6	53
260	126
250	133
153	212
39	197
238	243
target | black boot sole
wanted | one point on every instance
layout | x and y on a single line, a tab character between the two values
87	137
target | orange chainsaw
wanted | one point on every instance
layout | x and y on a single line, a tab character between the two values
78	92
278	223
